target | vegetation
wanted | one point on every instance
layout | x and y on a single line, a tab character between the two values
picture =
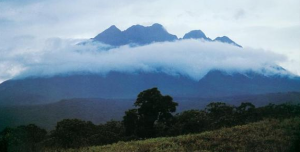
153	116
152	107
22	138
264	136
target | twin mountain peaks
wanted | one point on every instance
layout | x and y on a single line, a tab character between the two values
142	35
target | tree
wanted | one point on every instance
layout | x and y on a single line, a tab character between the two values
22	138
34	135
130	121
221	114
245	113
190	121
72	133
108	133
152	107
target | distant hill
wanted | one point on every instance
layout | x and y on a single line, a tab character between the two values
46	116
114	85
100	110
123	85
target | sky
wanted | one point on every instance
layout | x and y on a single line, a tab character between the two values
27	26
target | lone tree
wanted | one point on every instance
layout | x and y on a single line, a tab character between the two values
151	107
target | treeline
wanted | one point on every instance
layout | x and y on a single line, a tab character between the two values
152	117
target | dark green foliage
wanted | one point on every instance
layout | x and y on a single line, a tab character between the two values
130	121
220	114
115	127
191	121
245	113
217	115
296	146
152	107
108	133
72	133
23	138
281	111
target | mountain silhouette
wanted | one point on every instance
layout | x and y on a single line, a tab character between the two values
143	35
137	34
225	39
196	34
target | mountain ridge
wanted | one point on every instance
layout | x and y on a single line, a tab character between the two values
127	85
136	34
143	35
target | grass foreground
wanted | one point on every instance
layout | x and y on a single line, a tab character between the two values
264	136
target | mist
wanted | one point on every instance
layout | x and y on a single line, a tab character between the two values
31	57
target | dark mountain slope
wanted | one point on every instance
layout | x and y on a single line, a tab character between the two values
218	83
113	85
46	116
123	85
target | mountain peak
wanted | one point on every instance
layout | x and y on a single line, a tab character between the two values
136	34
111	36
225	39
113	28
196	34
157	25
136	26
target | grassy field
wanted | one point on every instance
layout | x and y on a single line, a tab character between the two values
264	136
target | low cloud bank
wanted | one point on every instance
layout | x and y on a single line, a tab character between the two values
30	57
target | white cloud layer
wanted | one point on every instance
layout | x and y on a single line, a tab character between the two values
269	24
193	58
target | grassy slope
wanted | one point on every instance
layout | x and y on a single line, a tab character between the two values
264	136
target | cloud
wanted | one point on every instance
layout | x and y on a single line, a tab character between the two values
43	19
31	57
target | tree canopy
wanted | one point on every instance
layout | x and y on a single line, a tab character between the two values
151	107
